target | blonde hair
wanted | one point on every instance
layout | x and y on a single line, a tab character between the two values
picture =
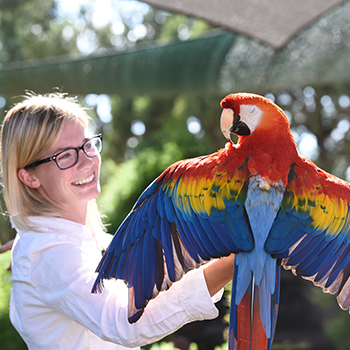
29	130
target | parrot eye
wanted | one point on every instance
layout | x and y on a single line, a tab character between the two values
251	115
250	109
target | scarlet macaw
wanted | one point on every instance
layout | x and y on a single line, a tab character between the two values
259	199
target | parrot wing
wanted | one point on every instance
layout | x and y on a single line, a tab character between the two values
191	213
311	233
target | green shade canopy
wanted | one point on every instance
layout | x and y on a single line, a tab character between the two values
154	69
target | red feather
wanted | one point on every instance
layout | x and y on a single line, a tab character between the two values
250	333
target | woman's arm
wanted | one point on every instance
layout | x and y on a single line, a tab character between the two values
219	273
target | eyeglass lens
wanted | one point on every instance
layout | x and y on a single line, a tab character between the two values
69	157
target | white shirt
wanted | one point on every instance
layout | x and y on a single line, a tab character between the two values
51	302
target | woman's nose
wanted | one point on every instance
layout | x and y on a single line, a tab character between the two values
83	159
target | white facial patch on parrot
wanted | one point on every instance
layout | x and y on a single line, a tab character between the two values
251	115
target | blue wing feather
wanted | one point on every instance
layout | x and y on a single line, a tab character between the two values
148	269
304	247
302	250
130	232
279	248
326	268
135	279
166	242
306	262
189	242
122	269
218	236
238	226
323	258
160	204
342	262
217	249
169	208
152	211
203	242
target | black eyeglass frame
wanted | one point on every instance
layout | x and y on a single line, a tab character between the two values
77	149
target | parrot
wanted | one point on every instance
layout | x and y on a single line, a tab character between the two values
257	198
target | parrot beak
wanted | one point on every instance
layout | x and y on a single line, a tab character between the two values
231	122
226	122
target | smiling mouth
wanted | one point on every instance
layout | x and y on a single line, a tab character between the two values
85	181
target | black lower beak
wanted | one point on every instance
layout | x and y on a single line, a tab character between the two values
238	127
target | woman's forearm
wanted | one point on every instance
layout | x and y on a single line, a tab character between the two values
218	273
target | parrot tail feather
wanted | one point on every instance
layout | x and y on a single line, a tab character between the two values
246	330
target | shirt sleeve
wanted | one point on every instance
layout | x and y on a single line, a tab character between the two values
64	276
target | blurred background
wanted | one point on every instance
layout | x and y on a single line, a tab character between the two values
152	80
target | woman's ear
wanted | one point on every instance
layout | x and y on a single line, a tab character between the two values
28	178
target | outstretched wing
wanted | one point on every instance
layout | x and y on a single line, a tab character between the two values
311	233
193	212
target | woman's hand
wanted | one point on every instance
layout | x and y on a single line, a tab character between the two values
5	247
218	273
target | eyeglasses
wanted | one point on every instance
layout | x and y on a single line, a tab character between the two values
70	156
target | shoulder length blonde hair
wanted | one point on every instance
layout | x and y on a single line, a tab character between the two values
29	130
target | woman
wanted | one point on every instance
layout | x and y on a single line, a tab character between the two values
50	168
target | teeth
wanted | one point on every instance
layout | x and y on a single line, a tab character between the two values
85	181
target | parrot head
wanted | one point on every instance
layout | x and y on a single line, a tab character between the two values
247	114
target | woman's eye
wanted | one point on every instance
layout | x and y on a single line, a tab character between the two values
88	146
65	156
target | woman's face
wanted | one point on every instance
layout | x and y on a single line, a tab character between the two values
72	188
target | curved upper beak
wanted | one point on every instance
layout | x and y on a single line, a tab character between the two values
226	122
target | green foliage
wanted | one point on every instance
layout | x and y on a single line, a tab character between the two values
25	36
165	121
182	27
8	334
338	330
163	346
319	113
5	281
336	324
170	346
222	347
